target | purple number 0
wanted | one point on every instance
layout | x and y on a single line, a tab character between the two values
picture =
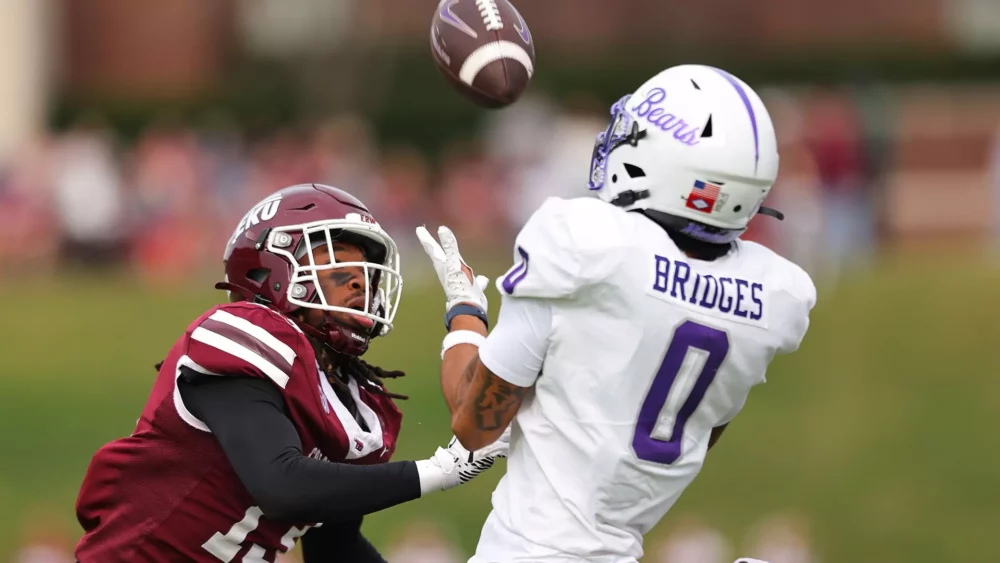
688	335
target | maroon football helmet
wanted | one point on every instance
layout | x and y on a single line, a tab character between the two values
270	260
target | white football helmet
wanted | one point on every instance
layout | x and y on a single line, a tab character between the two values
695	148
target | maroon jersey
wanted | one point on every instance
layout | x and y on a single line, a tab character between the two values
168	493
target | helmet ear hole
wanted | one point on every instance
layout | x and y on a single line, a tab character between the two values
258	275
634	171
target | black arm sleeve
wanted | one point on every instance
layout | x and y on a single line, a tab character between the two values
340	542
249	419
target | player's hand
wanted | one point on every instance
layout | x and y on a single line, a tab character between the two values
456	277
452	466
496	449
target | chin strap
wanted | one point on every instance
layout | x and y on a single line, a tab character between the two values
339	338
771	212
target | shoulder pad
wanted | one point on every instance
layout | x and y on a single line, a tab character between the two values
801	289
787	276
564	246
245	339
801	285
794	290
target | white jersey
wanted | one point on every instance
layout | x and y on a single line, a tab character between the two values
643	351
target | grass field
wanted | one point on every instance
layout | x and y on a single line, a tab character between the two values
880	430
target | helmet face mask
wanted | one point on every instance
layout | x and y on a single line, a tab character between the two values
622	129
274	258
693	145
383	283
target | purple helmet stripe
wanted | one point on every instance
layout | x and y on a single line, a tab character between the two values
753	118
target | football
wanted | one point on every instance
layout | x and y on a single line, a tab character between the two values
484	48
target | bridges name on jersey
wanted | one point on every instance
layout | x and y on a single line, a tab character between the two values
720	295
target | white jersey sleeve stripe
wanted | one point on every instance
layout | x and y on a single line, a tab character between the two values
232	348
257	332
182	410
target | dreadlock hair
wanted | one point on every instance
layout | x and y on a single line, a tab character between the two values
368	376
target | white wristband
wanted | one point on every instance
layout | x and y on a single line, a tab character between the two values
431	477
461	337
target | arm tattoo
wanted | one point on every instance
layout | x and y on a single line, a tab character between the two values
467	376
494	398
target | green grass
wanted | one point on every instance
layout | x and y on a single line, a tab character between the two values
879	430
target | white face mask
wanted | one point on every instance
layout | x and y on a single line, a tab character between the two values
304	290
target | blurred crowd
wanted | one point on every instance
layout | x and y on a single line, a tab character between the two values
164	204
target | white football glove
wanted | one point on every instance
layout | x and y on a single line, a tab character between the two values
448	262
452	466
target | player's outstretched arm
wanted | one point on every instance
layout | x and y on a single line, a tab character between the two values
484	403
249	419
483	388
465	300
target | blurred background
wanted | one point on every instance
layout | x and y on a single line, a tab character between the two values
134	135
